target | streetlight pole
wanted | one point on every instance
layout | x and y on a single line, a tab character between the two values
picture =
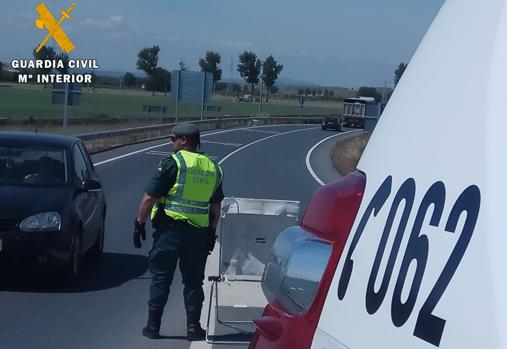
260	97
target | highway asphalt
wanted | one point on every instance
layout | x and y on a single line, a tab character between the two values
106	307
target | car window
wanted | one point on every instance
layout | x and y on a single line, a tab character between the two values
28	165
88	161
80	164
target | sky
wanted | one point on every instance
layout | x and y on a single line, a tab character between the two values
346	43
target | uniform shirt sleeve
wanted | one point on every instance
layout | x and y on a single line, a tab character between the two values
218	196
162	179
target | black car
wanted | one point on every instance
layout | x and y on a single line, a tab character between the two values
332	122
52	207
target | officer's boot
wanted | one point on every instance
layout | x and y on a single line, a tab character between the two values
152	328
194	329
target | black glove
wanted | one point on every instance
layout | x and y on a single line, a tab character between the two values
212	239
139	232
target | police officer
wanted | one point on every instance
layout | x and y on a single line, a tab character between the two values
184	197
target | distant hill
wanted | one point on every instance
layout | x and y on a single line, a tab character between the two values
294	82
279	82
111	74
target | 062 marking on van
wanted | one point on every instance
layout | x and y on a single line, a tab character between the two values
428	327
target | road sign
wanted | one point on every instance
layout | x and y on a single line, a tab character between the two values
66	94
74	94
191	86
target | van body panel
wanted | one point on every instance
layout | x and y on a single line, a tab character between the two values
423	266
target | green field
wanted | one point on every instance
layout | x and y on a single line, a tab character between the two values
24	102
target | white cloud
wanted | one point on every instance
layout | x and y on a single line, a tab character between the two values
116	18
113	22
97	23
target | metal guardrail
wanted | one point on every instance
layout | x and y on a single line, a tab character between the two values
99	141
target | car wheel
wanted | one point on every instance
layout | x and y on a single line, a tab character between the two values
74	263
98	247
323	128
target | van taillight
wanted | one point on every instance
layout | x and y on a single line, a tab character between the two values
303	261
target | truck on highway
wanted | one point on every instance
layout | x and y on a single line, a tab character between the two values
355	109
409	250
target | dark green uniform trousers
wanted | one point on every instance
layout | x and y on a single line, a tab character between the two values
187	244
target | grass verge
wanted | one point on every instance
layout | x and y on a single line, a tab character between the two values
346	154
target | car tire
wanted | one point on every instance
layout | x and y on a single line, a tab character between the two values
98	247
323	128
74	263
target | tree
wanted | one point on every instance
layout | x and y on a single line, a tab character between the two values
64	57
370	92
220	86
148	60
210	63
249	68
235	88
399	72
270	71
94	79
160	80
183	66
45	53
129	79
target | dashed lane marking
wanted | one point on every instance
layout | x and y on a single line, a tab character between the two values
164	144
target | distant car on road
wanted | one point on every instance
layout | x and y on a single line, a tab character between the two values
332	122
52	207
244	98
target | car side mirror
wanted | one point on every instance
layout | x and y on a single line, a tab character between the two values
89	184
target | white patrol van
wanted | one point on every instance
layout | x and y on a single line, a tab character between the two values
410	251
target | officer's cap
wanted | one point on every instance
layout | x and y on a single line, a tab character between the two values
185	130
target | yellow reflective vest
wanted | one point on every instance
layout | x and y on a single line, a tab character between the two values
197	180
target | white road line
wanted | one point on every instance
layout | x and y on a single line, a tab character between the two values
220	143
263	139
164	144
309	154
160	153
262	131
